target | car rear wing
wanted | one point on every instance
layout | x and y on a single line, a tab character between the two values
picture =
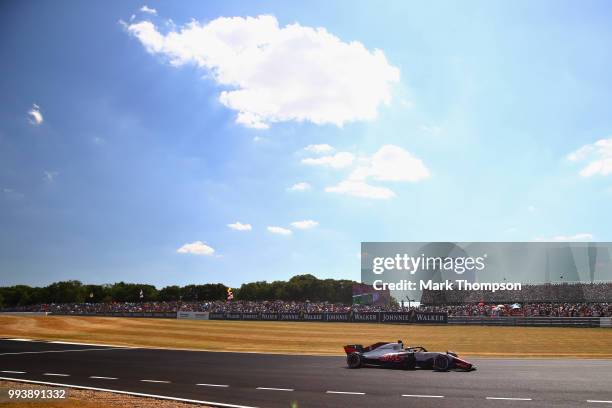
353	348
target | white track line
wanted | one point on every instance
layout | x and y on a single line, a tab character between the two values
57	375
137	394
600	401
74	343
102	378
168	348
19	339
274	389
345	392
156	381
214	385
422	396
509	398
13	372
89	344
62	351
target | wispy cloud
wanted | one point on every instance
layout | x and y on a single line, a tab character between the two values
431	129
50	176
339	160
319	148
598	156
389	163
10	193
196	248
392	163
584	236
35	116
148	10
279	230
238	226
305	224
301	186
262	63
361	189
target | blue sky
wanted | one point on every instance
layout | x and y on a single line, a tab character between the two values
118	147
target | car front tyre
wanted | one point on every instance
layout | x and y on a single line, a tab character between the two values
441	363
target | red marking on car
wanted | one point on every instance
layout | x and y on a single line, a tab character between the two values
391	357
462	364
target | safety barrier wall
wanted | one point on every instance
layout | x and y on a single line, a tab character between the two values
371	317
23	313
192	315
542	321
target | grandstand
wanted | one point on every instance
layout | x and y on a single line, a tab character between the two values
571	292
568	299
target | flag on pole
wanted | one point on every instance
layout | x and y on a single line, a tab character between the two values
230	294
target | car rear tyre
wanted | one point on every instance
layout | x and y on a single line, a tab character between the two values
354	360
441	363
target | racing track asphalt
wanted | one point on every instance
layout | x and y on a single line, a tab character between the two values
269	380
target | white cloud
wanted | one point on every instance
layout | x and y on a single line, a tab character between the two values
302	186
50	176
598	156
389	163
392	163
585	236
278	74
319	148
11	194
36	118
196	248
337	161
238	226
431	129
361	189
148	10
279	230
306	224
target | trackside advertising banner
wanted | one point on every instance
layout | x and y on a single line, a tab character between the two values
426	271
357	317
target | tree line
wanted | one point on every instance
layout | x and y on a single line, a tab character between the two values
298	288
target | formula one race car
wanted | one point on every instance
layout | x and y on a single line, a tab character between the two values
394	355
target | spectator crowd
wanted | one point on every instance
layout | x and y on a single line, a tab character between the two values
575	292
557	299
555	309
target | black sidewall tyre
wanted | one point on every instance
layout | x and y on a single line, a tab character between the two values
441	363
354	360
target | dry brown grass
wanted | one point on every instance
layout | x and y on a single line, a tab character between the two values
87	399
312	338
